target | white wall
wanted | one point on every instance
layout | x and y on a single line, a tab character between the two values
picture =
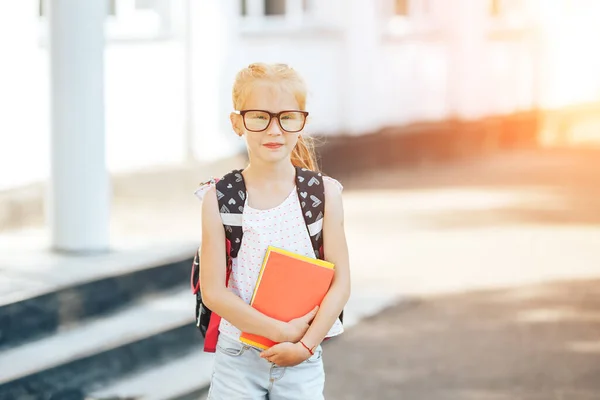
24	154
144	100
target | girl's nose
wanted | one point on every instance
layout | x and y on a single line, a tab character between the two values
274	128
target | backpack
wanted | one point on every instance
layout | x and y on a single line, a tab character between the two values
231	196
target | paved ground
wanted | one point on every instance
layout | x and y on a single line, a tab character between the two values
502	259
529	343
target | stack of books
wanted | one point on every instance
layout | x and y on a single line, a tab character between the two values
289	286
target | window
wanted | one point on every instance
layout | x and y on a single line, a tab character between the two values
514	16
502	8
401	7
406	8
407	17
495	7
275	7
291	10
144	4
112	7
306	6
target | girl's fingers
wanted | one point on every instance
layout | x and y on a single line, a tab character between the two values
267	353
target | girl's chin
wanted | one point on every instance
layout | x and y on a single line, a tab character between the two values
274	156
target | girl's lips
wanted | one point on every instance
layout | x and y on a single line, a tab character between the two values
273	145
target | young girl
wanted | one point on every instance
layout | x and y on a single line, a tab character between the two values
292	369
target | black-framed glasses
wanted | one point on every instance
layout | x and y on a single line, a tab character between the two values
258	120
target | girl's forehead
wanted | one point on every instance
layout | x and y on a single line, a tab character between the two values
270	96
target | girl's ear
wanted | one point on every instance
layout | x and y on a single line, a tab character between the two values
236	123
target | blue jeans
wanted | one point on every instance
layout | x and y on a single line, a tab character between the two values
239	374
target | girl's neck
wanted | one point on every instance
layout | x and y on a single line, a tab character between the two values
267	172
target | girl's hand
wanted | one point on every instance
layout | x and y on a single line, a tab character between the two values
286	354
294	330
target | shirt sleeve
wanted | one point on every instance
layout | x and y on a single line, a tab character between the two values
204	187
335	182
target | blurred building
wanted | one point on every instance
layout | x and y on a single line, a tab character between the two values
389	80
376	65
370	64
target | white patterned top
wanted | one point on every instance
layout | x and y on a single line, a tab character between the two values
282	226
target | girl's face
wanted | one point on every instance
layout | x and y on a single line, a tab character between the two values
273	145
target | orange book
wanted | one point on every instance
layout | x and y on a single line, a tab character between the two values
289	285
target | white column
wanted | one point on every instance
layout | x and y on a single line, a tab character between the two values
188	71
467	61
215	62
79	191
362	45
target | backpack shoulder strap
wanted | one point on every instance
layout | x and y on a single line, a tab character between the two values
231	195
311	193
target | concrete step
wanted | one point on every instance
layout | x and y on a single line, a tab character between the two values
184	377
43	293
149	331
188	377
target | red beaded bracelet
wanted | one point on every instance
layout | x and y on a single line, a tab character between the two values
307	348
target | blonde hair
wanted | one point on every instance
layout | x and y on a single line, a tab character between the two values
303	154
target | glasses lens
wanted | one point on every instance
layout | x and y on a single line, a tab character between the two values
256	120
292	121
